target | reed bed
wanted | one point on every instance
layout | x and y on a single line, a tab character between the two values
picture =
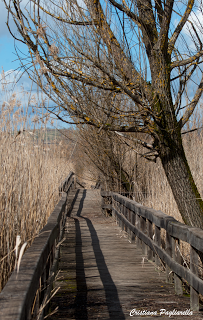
157	192
30	172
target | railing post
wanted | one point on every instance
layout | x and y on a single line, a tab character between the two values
157	240
114	208
138	241
143	229
150	235
113	212
118	209
177	257
102	202
169	274
129	219
132	214
122	212
194	295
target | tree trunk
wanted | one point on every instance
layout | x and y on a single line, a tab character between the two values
168	142
180	179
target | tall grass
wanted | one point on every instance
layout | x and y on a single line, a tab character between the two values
30	172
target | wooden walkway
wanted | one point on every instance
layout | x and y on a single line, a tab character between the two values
104	276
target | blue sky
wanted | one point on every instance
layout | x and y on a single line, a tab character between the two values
9	61
7	50
8	58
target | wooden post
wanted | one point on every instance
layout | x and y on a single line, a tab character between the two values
157	240
113	212
114	215
150	235
138	241
169	274
122	212
128	218
143	229
132	214
118	209
194	295
177	257
102	202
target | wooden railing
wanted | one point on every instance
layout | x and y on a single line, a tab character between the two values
27	292
159	236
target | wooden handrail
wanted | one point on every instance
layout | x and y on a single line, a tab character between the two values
146	224
27	291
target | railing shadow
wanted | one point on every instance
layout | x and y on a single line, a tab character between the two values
81	296
111	293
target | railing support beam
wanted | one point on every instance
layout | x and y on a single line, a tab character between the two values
194	295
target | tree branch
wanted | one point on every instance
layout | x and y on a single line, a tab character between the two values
190	61
191	107
180	26
166	18
127	11
143	143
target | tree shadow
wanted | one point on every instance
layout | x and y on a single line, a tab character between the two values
111	293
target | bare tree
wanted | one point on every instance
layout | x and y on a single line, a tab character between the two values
125	66
107	154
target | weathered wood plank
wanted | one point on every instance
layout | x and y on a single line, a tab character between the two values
150	235
194	236
181	271
169	274
194	301
102	274
177	257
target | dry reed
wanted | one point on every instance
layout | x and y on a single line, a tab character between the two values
30	172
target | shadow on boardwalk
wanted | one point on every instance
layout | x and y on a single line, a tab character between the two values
101	274
111	292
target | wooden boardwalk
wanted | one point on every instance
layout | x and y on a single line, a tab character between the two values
104	276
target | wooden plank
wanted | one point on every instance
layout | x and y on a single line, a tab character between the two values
102	274
176	256
191	235
65	184
137	223
150	235
143	227
169	274
132	215
157	240
181	271
194	295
